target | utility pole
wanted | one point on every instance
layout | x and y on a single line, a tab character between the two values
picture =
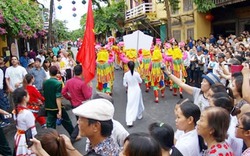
50	23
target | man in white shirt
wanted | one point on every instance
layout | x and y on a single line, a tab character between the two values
14	75
217	68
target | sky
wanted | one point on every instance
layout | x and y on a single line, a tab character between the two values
66	13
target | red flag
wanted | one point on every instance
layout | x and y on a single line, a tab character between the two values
86	54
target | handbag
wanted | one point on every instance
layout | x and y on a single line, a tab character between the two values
42	111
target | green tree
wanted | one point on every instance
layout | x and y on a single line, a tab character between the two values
20	19
75	34
108	18
204	5
60	30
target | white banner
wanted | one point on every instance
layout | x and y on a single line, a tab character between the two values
137	40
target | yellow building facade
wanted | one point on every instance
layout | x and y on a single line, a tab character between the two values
185	23
3	44
228	17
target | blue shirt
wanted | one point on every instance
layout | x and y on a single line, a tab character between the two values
24	61
39	75
55	50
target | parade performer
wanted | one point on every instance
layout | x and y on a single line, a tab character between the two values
111	62
119	52
178	67
116	51
157	76
130	55
145	68
104	71
167	55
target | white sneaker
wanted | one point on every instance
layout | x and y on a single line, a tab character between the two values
140	117
130	124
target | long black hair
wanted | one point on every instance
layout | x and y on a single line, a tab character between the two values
131	66
18	96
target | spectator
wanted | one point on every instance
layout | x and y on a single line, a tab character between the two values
4	102
229	56
200	95
3	67
24	60
211	64
53	102
96	116
70	52
24	120
55	49
242	131
246	85
53	142
217	68
4	145
30	65
212	39
164	135
14	75
77	91
119	133
39	74
187	116
223	100
140	144
237	81
46	66
41	56
32	54
36	99
212	126
50	57
219	87
199	66
54	62
247	55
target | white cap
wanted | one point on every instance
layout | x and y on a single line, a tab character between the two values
31	61
97	109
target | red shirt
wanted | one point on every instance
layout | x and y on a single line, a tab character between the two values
35	97
34	94
76	91
220	149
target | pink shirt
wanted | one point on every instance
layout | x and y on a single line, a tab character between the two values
76	91
246	152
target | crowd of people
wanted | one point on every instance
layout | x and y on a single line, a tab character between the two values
215	122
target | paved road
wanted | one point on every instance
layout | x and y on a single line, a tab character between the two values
162	112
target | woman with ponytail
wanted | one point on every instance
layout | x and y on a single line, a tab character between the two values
52	142
24	120
135	106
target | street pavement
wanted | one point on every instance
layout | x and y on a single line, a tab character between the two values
154	112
